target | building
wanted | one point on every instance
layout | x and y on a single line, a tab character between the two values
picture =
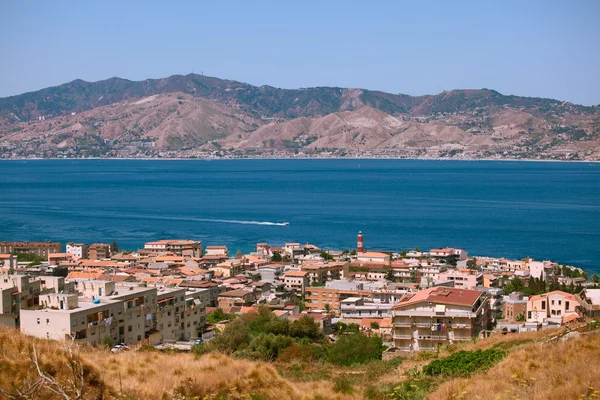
227	268
236	298
296	280
79	250
126	312
217	251
8	262
182	248
553	308
590	303
373	257
320	272
437	316
514	308
41	249
462	278
271	272
99	251
359	307
334	292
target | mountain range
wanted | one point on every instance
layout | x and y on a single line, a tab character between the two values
200	116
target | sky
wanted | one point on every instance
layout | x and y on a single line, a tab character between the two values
531	48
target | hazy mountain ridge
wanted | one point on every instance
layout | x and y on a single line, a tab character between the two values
199	114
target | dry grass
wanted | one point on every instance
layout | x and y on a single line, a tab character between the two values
17	368
564	370
533	371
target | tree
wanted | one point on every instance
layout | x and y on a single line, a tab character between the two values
520	317
374	325
389	275
472	263
304	326
114	247
276	257
238	254
596	278
353	252
355	348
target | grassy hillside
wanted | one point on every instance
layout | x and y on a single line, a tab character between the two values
528	369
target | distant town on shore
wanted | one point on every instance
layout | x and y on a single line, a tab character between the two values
177	291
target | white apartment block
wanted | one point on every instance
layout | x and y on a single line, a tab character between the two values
128	313
437	316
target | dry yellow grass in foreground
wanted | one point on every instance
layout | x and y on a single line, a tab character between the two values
564	370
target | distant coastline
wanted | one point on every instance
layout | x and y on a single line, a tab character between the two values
297	158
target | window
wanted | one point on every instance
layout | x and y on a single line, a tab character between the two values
560	302
566	305
38	321
47	321
129	328
529	315
543	305
552	302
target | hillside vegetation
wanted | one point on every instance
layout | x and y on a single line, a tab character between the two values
199	116
519	366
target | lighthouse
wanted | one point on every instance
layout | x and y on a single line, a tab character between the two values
360	247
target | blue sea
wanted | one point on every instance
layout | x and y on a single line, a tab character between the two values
544	210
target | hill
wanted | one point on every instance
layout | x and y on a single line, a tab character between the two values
199	116
532	367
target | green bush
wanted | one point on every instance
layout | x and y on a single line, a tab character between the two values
108	341
341	384
355	348
464	363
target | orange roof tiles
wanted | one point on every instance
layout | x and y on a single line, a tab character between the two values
441	295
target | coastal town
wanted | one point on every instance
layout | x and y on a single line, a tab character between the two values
178	293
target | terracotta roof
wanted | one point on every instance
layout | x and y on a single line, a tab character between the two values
383	322
559	292
235	293
441	295
373	254
296	273
83	275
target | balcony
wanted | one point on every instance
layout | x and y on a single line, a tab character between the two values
402	337
434	337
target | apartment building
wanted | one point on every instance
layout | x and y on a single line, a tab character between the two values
360	307
127	312
217	251
120	314
320	272
462	278
185	248
99	251
437	316
554	308
334	292
296	280
514	307
78	250
590	302
8	262
429	274
41	249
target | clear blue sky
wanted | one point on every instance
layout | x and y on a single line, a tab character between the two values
533	48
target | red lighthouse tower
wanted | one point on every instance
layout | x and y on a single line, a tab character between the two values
360	248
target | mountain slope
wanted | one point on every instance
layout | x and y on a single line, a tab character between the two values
199	116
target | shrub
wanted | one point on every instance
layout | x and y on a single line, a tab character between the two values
108	341
341	384
464	362
355	348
